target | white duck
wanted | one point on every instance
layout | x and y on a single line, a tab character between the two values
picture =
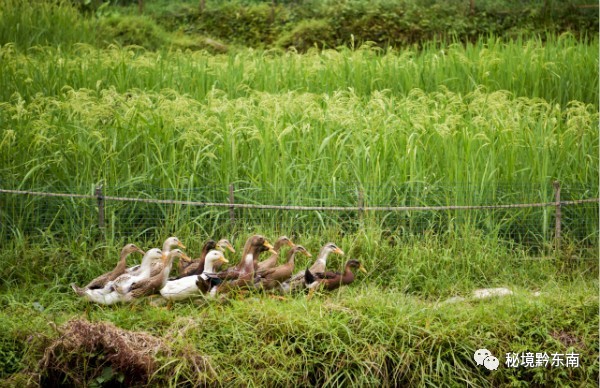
118	290
157	267
195	285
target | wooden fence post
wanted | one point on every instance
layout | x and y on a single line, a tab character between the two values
231	206
361	204
100	199
558	216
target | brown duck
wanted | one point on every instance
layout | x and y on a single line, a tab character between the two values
273	277
154	283
254	246
196	267
272	260
243	273
331	280
119	269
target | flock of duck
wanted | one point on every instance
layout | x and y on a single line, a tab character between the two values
202	276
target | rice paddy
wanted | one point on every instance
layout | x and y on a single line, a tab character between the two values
490	122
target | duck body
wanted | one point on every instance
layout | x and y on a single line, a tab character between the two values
242	276
297	281
154	283
124	282
119	269
332	280
272	260
273	277
109	298
195	285
196	267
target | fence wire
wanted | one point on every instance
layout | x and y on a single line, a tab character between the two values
518	213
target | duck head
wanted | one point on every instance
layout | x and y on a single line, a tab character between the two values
225	244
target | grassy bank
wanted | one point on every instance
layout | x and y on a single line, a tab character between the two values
390	327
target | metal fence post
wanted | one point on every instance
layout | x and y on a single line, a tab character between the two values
231	206
558	216
100	199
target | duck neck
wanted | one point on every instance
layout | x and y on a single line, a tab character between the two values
209	267
291	257
122	264
206	248
248	261
168	264
323	255
278	245
348	275
146	266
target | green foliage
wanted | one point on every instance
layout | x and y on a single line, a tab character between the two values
255	25
263	24
386	23
132	30
410	128
307	34
55	23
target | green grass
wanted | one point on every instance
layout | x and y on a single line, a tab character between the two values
390	327
462	125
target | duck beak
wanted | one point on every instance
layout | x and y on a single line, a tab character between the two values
185	257
140	251
180	245
290	244
362	269
307	253
230	247
223	260
339	251
268	245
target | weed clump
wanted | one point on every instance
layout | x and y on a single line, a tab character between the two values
100	352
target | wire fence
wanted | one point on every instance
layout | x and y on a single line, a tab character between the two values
523	214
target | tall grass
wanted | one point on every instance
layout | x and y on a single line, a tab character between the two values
58	23
560	69
193	124
297	140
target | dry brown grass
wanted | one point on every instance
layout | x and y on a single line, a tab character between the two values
85	349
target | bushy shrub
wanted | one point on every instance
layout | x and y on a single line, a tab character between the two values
254	25
307	34
132	30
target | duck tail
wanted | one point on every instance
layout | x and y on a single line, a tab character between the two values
309	278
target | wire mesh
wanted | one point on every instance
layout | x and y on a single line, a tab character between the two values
117	213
